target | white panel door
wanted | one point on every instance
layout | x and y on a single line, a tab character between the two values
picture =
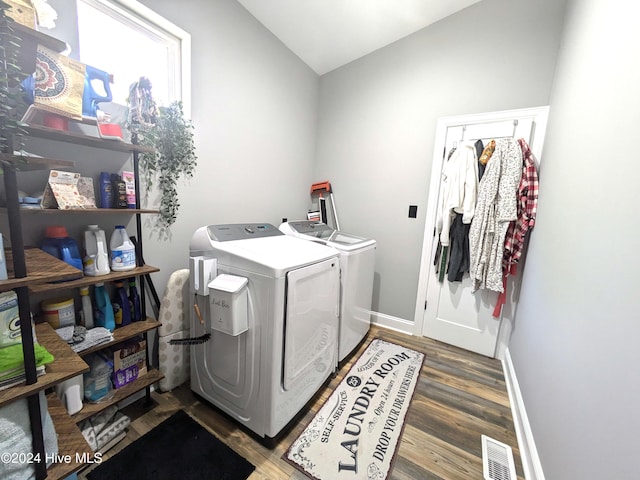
451	312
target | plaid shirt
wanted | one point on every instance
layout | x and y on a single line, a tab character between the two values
527	199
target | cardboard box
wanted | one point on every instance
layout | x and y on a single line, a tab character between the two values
129	362
66	190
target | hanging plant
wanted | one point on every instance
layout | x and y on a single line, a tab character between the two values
11	101
170	134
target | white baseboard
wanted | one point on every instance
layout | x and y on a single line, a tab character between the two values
528	452
394	323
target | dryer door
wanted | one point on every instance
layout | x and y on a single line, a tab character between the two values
311	323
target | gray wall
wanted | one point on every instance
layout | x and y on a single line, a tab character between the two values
575	344
378	115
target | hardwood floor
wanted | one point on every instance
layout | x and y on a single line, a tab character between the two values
460	395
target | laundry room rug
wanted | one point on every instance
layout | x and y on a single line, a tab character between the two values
355	434
177	448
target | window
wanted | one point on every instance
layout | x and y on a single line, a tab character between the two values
128	40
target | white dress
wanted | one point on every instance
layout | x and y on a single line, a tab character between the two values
496	207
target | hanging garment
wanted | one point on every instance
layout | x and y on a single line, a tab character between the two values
458	193
459	250
481	166
496	207
527	205
458	189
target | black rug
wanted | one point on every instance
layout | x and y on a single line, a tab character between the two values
177	448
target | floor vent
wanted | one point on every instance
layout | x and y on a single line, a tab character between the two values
497	460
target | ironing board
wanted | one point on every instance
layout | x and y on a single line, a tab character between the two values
174	316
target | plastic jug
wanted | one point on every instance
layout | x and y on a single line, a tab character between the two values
90	97
70	392
96	258
103	314
123	253
58	244
87	308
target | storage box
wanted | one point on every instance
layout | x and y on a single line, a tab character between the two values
228	304
129	362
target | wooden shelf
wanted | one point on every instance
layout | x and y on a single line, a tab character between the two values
75	138
89	409
86	280
67	364
31	38
41	268
124	333
31	35
23	163
81	211
70	441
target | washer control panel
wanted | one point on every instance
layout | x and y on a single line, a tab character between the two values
241	231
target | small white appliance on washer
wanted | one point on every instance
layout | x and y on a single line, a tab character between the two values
270	303
357	266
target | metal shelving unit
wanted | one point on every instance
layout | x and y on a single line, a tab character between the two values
32	271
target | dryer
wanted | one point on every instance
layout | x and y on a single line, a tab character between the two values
357	268
283	340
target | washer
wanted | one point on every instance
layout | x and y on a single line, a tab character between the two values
357	266
263	376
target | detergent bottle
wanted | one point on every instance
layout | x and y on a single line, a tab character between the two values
134	301
87	308
121	308
96	259
103	314
90	98
58	244
123	253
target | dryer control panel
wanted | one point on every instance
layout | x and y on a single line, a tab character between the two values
241	231
311	228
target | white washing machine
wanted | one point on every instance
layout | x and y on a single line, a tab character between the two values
281	342
357	266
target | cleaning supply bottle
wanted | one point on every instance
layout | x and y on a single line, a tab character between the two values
134	301
123	253
121	309
119	191
106	191
96	258
103	314
87	308
58	244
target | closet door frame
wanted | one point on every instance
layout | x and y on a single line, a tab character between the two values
539	116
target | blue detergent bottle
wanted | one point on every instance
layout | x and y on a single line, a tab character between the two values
134	301
58	244
121	308
103	315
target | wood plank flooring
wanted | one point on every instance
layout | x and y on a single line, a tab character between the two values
460	395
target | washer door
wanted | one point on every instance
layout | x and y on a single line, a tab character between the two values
311	323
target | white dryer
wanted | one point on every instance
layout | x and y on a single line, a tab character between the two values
357	266
264	375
